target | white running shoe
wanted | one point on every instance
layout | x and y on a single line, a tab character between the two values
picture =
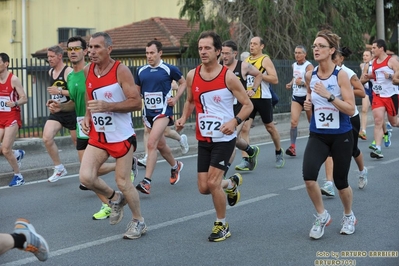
142	161
319	224
58	173
363	179
348	224
184	144
21	154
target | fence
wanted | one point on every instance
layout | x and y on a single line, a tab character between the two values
35	79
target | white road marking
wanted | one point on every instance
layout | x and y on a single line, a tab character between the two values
297	187
150	228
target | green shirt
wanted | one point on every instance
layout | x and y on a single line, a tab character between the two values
76	82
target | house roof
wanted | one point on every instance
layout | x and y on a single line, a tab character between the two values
132	39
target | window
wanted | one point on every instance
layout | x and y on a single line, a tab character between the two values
65	33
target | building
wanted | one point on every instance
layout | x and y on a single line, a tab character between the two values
29	25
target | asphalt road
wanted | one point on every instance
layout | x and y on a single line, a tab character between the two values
270	225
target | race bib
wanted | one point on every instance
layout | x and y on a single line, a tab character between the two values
326	117
81	135
3	101
59	98
209	125
153	100
103	122
377	88
250	81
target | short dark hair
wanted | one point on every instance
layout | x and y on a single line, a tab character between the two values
78	39
230	44
217	42
381	43
5	58
157	43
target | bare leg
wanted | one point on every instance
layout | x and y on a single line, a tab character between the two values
7	135
51	128
6	243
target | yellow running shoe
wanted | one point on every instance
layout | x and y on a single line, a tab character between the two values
104	213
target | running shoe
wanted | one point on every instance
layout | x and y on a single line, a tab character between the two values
135	169
143	161
389	127
135	229
348	224
83	187
363	178
103	213
253	160
280	161
219	232
243	166
327	190
184	144
362	135
372	146
376	154
17	180
387	139
58	173
144	187
291	151
34	243
21	154
233	194
117	209
175	173
319	224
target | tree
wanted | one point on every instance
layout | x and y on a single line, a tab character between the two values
283	24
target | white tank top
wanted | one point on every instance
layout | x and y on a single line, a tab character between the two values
299	71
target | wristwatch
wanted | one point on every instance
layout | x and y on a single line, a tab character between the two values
239	120
332	98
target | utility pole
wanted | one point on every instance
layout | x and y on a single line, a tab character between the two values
380	19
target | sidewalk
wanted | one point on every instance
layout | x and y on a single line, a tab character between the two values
37	164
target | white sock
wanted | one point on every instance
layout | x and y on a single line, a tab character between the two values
329	182
223	221
59	167
322	215
350	214
230	184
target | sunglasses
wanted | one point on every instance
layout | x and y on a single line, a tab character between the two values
320	46
76	48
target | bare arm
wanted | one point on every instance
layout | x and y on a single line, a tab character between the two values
395	78
249	69
271	73
307	105
56	106
66	73
358	88
239	92
180	90
347	104
16	83
395	68
365	76
189	105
